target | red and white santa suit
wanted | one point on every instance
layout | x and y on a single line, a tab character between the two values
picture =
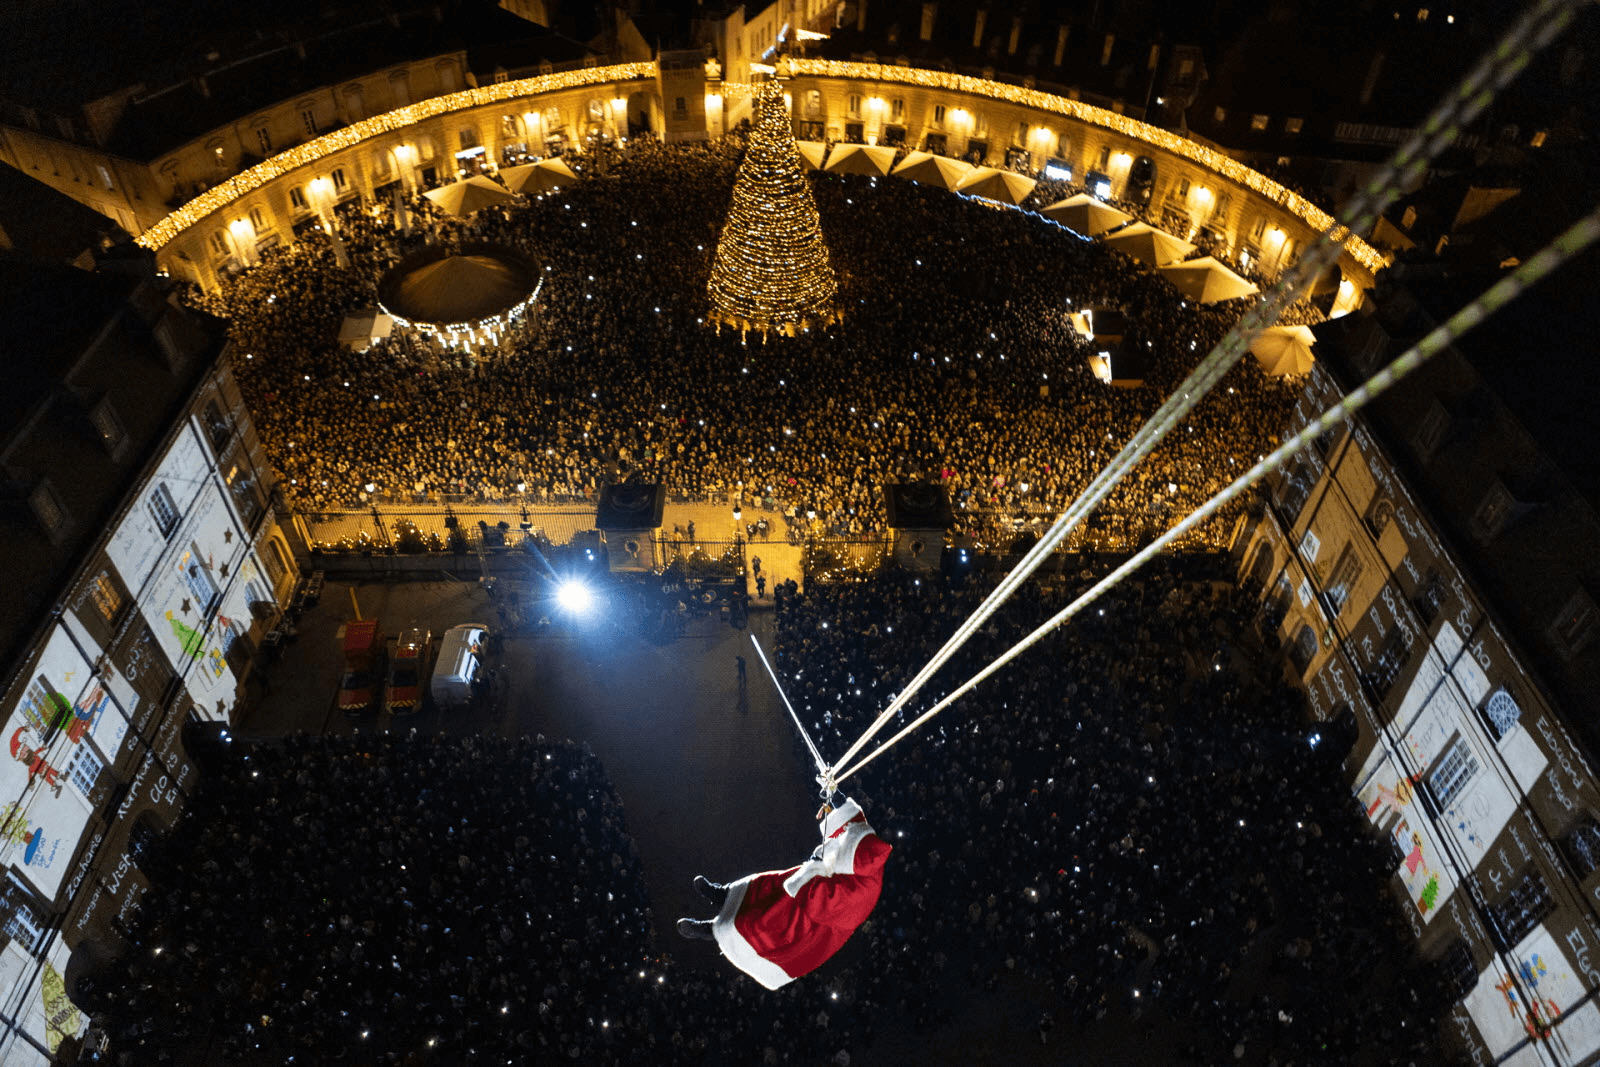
780	925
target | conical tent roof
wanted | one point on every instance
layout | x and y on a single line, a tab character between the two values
771	267
460	289
812	153
860	159
1206	281
540	177
991	183
1148	244
1285	351
1085	215
925	168
473	194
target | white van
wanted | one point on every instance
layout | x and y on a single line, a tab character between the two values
460	663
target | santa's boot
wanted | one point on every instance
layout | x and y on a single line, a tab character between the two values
713	892
696	930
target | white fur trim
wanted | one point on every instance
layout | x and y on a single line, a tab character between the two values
737	949
839	816
836	856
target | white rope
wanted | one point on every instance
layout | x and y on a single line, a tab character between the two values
823	773
1572	241
1537	27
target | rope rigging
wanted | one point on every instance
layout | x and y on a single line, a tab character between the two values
1537	27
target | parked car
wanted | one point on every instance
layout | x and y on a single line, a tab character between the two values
460	664
408	670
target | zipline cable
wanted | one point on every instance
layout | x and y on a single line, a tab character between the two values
1576	238
822	764
1537	27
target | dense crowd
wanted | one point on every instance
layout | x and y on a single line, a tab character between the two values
1128	817
1130	825
965	370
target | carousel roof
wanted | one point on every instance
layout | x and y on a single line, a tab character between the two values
461	288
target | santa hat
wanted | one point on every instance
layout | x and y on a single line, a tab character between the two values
836	819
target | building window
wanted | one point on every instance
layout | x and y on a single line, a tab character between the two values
1575	625
1430	432
1523	909
1493	512
21	921
1293	125
105	177
297	199
264	140
1391	661
274	561
308	118
1430	596
1219	114
1345	575
1453	771
219	243
46	507
1582	847
400	88
1304	650
1259	122
1500	714
108	599
258	220
597	113
340	182
1457	970
813	104
938	114
108	425
84	770
162	509
897	111
218	428
853	105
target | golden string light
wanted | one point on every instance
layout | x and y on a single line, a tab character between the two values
247	181
222	196
771	269
1077	110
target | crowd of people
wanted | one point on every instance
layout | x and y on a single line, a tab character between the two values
1128	832
1129	816
965	371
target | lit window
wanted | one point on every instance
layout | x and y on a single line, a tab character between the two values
105	177
1293	125
46	507
84	770
108	599
1219	114
107	424
1453	771
1536	141
1494	511
1345	575
1259	122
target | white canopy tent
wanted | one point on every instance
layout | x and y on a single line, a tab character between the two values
1085	215
860	159
1008	187
812	153
473	194
364	326
1207	281
541	177
1285	351
1148	244
925	168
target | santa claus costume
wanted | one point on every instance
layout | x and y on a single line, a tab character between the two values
780	925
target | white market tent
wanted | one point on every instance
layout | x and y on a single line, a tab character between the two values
812	153
925	168
1148	244
364	326
865	159
1285	351
1008	187
541	177
1206	281
1083	214
473	194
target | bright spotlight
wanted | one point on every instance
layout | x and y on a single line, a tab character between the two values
574	596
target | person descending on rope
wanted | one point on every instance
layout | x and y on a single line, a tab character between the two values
780	925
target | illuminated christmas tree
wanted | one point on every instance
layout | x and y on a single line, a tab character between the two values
771	269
